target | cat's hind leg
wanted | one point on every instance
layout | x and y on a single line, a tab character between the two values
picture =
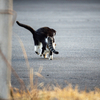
42	48
51	56
36	47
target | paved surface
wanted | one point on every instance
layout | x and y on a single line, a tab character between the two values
78	40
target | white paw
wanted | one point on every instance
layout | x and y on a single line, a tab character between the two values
46	56
51	57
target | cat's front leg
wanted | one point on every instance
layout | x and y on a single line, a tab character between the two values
46	55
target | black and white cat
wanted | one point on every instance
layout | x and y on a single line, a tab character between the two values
41	39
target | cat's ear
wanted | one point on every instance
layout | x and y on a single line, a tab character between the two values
54	32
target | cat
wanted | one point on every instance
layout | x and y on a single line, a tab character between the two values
40	37
50	49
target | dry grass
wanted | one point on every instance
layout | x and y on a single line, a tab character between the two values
53	93
67	93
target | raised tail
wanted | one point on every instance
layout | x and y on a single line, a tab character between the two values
50	46
27	27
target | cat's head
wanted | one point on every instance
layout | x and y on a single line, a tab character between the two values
52	33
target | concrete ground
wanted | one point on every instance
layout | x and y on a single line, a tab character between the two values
77	23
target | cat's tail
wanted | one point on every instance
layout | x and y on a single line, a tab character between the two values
51	47
54	51
27	27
